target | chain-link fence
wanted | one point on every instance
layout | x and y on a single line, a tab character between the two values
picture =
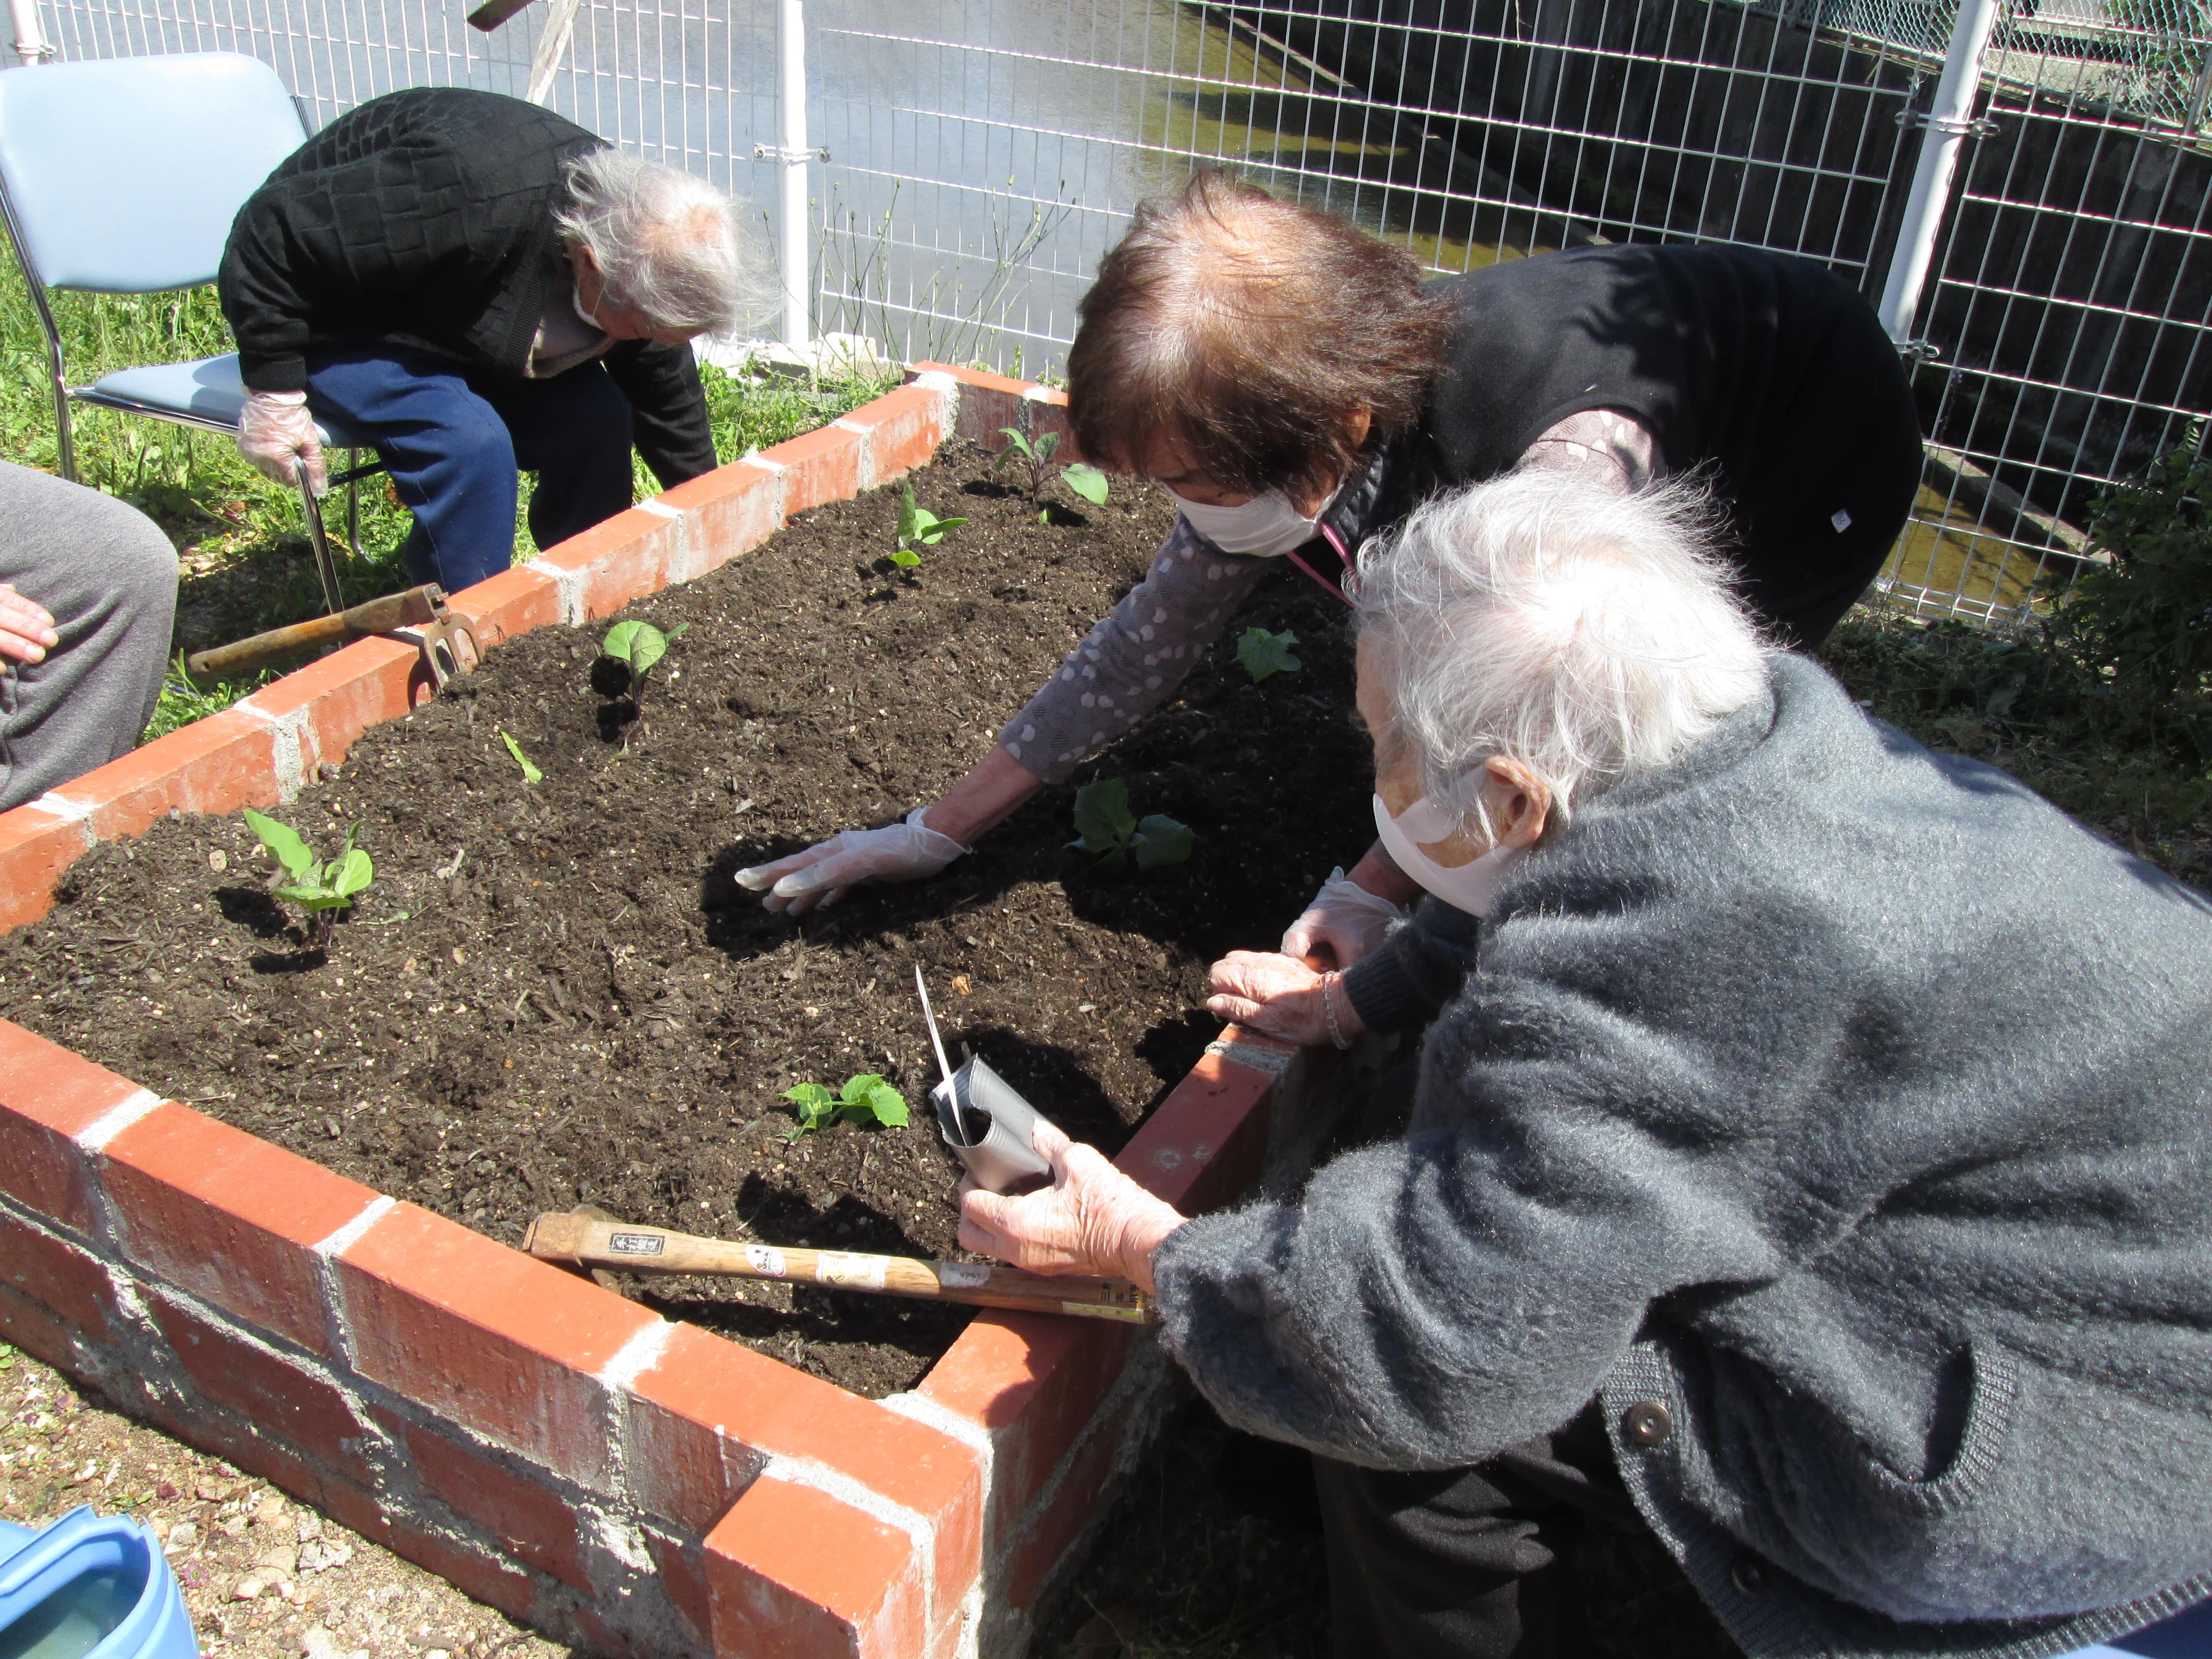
983	153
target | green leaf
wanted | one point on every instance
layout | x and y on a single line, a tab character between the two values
903	558
868	1098
1103	822
284	841
933	531
619	640
1045	446
815	1104
1086	481
1160	840
1263	654
1019	443
530	773
313	898
910	515
351	874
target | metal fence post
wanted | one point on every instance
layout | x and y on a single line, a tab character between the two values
1949	121
792	220
30	45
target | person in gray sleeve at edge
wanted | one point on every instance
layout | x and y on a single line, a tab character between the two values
1296	385
1776	1179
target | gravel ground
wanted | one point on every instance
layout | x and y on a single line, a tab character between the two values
262	1575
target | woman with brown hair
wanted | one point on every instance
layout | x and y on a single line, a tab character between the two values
1299	389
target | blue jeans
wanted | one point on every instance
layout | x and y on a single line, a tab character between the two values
453	439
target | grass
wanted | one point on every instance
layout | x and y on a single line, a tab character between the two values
243	564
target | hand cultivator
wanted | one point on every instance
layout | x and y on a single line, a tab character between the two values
587	1242
419	616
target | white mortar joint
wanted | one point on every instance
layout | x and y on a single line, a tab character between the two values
567	589
94	1136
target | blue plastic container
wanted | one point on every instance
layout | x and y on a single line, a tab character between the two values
89	1587
2186	1635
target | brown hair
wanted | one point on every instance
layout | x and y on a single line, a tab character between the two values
1250	330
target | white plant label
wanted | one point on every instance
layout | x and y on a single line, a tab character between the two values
765	1259
962	1275
837	1268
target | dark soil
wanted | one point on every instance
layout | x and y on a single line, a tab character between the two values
555	994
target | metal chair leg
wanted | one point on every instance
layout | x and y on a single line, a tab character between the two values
317	542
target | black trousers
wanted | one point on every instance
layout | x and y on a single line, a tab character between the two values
1468	1564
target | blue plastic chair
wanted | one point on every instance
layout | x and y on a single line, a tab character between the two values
89	1587
122	176
2186	1635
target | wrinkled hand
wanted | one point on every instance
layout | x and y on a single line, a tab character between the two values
275	433
820	875
1345	918
27	630
1278	995
1092	1219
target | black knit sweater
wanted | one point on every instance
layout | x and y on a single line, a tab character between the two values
427	216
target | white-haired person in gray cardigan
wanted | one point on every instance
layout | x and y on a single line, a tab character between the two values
1816	1162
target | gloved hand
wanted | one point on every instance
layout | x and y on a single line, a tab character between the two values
1092	1219
1281	997
276	432
1343	916
820	875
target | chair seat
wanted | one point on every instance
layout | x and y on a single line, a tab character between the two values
207	394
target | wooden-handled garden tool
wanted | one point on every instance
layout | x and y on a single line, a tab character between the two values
588	1241
447	644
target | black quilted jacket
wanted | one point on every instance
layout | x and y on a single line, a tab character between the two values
427	216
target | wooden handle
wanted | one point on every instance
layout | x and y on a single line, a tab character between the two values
411	609
587	1242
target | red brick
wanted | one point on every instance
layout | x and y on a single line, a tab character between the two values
621	558
475	1572
231	1217
36	846
344	694
1048	1531
279	1396
682	1569
357	1509
817	467
58	1276
486	1337
902	428
1032	1380
514	602
975	379
33	1328
727	512
212	766
796	1574
1203	1146
237	1439
534	1521
49	1097
704	1412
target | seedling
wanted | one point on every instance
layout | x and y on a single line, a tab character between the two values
637	646
1085	479
917	524
321	889
866	1099
1105	825
530	773
1263	654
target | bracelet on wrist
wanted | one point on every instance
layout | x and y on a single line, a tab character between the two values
1328	981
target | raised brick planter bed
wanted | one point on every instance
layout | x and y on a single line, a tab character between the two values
620	1481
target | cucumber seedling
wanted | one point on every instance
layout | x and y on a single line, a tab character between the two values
321	889
917	525
866	1100
1105	825
1263	654
1085	479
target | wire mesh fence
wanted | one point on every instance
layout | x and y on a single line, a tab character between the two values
981	154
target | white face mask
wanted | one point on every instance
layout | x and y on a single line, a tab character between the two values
1266	527
1472	886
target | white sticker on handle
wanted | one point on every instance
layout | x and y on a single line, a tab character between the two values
765	1259
864	1273
962	1275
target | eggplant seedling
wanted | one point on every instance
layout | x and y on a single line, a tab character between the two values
917	524
638	646
1263	654
866	1100
321	889
1105	825
1085	479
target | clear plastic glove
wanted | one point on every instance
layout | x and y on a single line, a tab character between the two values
1281	997
820	875
275	433
1092	1219
1346	918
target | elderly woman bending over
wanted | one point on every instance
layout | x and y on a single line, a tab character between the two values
1812	1164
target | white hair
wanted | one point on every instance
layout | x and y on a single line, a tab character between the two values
1586	634
669	246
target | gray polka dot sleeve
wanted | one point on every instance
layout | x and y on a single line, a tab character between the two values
1133	660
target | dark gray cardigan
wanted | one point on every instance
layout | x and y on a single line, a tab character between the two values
1854	1104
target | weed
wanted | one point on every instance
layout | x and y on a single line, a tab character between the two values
1105	825
916	523
1263	654
530	773
319	889
866	1100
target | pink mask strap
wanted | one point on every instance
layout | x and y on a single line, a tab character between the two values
1334	592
